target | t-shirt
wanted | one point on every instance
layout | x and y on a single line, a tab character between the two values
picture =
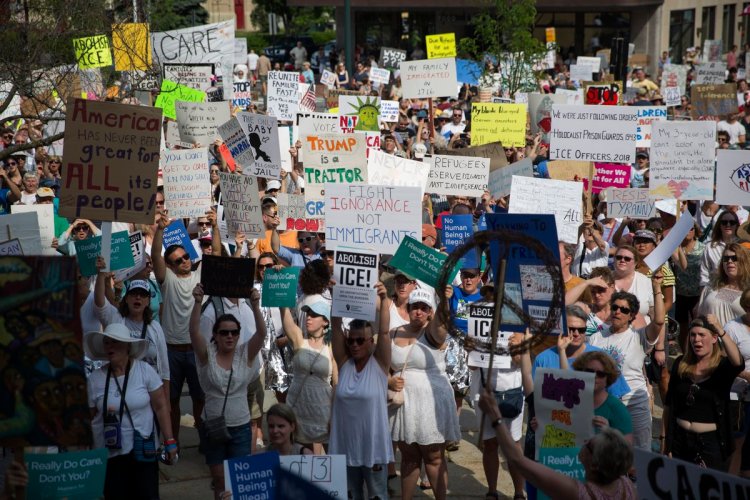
617	414
703	407
287	239
459	307
740	333
644	292
252	61
178	302
592	258
142	381
735	130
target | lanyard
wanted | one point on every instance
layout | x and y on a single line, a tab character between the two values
122	390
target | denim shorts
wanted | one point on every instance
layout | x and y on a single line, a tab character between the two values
237	446
182	368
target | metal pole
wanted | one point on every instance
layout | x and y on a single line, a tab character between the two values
348	42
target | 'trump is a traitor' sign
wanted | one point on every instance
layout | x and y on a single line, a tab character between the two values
110	162
333	158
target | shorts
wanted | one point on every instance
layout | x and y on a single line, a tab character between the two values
182	368
255	397
515	425
237	446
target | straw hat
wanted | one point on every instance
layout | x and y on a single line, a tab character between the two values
94	342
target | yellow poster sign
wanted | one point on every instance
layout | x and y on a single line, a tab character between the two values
92	52
132	46
550	35
439	46
492	122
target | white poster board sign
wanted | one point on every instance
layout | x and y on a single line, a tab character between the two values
355	272
592	62
197	121
239	195
714	72
732	177
237	142
646	116
389	111
25	228
187	183
529	195
333	158
669	244
283	94
263	135
390	170
429	78
463	175
46	218
500	179
634	203
327	472
480	329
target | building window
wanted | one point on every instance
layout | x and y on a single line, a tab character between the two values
681	31
708	24
727	27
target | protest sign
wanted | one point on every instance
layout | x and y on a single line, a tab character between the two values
333	158
608	175
540	112
176	234
332	97
25	228
674	75
527	283
389	111
197	121
285	144
252	476
358	113
420	261
227	277
480	330
390	170
172	92
283	97
588	133
376	217
240	51
712	50
391	58
500	179
593	62
293	214
571	96
11	247
46	218
672	96
633	203
355	272
711	73
187	183
607	94
564	405
325	472
209	43
194	76
429	78
110	162
732	177
92	52
682	160
239	194
237	142
529	195
713	100
492	122
494	151
263	137
317	123
40	324
468	71
580	73
669	244
328	78
662	477
646	116
464	175
87	251
380	76
243	95
137	248
439	46
131	43
457	230
77	474
280	287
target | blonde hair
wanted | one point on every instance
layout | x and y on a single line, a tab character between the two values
688	364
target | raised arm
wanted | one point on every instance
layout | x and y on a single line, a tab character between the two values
196	338
730	347
101	277
338	341
656	326
383	347
292	331
259	339
215	232
157	259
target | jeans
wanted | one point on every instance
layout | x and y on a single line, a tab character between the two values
376	482
237	446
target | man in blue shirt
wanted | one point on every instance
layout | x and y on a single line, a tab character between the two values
9	194
464	295
309	248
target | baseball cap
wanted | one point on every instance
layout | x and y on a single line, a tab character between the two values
45	192
423	296
139	285
645	234
321	308
271	185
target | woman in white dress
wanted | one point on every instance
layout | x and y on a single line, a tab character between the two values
427	418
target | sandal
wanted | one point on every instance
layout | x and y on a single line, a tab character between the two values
425	485
492	494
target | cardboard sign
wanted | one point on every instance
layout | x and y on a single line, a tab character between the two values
429	78
40	325
439	46
606	94
172	92
11	247
564	405
359	113
566	170
355	273
78	474
682	160
194	76
586	133
581	72
390	170
176	234
227	276
263	137
732	177
669	244
480	330
243	95
376	217
131	43
283	99
138	249
333	158
505	123
389	111
500	179
634	203
294	216
646	116
111	161
46	218
197	121
92	52
328	78
493	151
237	142
466	175
280	287
527	283
88	250
252	475
713	100
529	195
420	261
209	43
391	58
187	183
239	194
711	73
380	76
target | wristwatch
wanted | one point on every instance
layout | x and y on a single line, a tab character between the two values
497	422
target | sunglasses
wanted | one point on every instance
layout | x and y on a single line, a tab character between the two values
328	254
233	333
204	224
642	241
624	310
265	266
623	257
598	289
599	373
272	214
214	171
728	258
469	276
728	222
690	399
579	330
55	161
357	341
80	228
180	260
723	140
306	239
12	164
8	136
